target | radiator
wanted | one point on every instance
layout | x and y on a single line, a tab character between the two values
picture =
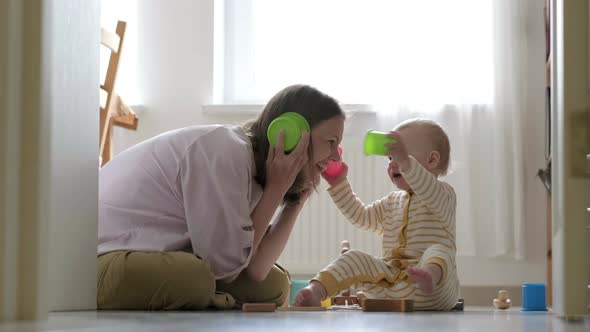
315	240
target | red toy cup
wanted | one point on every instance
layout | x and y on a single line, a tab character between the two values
335	167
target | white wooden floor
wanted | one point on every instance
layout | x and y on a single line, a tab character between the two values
473	319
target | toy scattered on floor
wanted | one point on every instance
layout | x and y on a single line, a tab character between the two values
346	305
459	306
388	305
374	141
533	297
354	307
259	307
343	300
502	302
295	308
294	125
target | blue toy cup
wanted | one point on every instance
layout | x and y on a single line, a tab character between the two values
533	297
296	286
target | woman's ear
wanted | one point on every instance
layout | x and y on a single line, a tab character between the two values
433	160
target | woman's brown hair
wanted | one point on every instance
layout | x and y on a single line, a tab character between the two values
312	104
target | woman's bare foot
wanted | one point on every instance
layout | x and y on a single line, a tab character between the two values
310	296
425	278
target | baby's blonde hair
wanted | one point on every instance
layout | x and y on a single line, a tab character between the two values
437	136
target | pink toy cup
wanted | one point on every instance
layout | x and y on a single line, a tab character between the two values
335	167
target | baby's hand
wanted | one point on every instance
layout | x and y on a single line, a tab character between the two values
397	151
334	180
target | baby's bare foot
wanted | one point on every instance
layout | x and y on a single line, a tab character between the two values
423	278
310	296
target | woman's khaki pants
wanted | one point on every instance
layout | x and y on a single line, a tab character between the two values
131	280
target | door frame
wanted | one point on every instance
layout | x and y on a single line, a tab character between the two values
570	143
22	162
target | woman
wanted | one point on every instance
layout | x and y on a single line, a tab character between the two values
185	217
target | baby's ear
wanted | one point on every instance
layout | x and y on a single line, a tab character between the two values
433	160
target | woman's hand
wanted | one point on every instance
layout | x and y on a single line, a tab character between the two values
281	168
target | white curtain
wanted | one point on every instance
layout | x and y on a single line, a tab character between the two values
496	147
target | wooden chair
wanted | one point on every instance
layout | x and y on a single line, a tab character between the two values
113	111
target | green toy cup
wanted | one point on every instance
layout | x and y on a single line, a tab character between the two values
374	141
294	125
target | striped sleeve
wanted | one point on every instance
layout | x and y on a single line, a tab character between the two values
438	196
366	217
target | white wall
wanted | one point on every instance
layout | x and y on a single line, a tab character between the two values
70	44
175	69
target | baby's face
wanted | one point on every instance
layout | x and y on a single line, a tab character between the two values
418	146
396	177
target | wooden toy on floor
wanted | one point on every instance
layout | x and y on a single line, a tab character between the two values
346	302
459	306
259	307
292	308
354	307
342	300
502	302
388	305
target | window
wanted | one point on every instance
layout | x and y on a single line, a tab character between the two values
360	51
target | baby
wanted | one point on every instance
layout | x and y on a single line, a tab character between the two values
417	224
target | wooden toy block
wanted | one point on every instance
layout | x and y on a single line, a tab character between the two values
342	300
388	305
459	306
290	308
354	307
259	307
